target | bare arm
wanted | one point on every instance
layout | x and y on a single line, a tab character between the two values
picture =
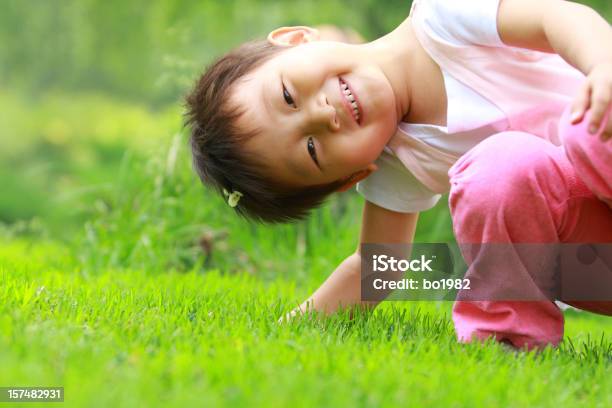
574	31
343	287
578	34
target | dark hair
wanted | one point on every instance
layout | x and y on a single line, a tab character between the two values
216	143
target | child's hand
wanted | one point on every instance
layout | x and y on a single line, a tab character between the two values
596	95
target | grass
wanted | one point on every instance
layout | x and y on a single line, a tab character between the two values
124	337
143	290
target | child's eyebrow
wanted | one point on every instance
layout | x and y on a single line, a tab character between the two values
267	102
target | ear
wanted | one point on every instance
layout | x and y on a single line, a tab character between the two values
296	35
356	177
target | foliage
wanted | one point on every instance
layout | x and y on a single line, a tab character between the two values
60	152
151	50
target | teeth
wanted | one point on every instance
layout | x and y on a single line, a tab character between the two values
351	99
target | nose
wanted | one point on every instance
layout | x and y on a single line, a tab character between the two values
323	115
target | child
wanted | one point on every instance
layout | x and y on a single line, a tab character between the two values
451	100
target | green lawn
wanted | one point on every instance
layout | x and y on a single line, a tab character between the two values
131	337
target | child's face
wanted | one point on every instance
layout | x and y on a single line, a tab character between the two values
312	117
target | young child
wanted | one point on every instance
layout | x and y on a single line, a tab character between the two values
462	97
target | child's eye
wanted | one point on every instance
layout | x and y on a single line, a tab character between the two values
312	151
288	97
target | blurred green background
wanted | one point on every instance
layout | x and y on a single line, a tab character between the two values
92	149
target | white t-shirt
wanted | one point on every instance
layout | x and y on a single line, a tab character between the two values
393	186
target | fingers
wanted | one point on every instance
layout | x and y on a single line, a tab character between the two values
286	318
581	103
600	103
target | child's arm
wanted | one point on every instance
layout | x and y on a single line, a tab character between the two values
343	287
575	32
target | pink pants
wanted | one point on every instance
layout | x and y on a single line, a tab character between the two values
515	187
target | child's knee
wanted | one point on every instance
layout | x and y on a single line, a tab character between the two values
580	144
591	158
503	175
